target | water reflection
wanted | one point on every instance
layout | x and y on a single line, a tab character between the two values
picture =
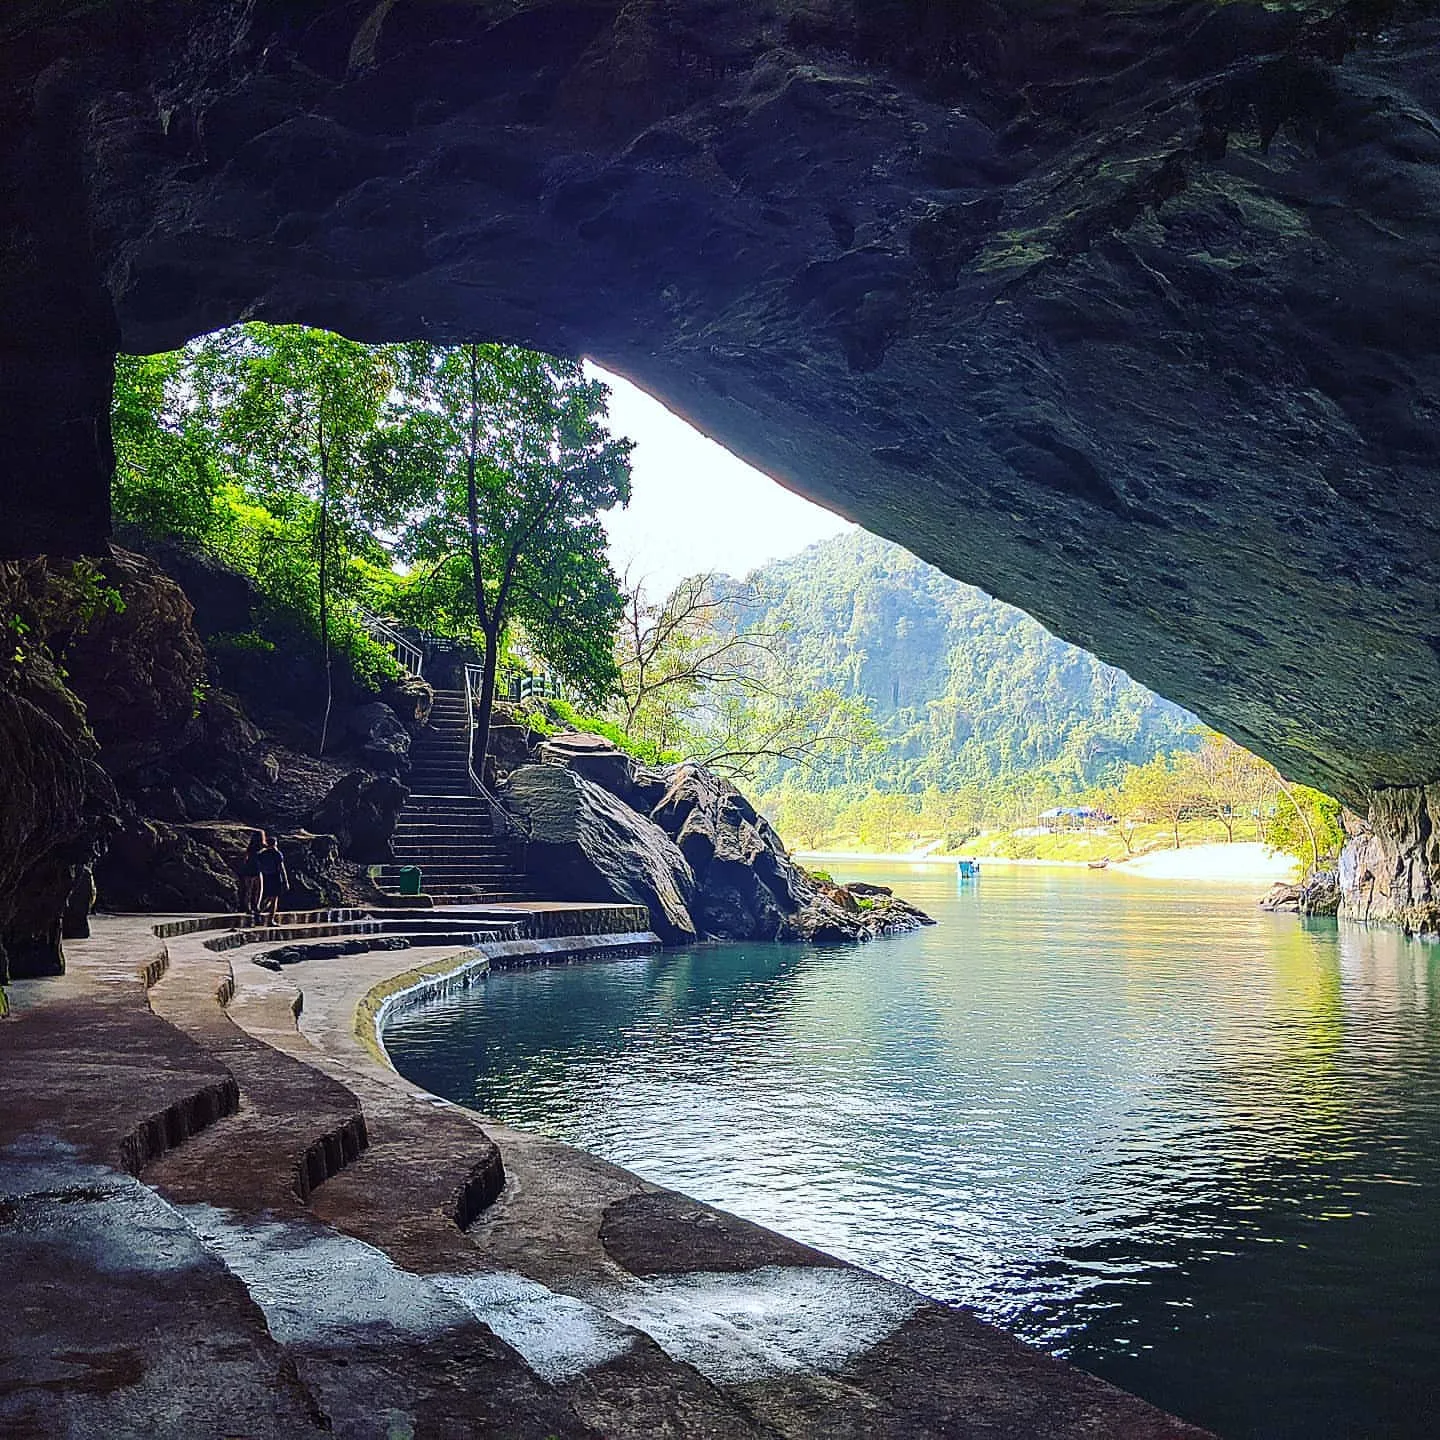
1186	1143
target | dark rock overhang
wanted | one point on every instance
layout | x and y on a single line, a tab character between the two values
1127	313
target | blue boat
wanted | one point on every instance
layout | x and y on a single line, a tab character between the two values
968	869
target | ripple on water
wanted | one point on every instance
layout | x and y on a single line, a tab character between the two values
1192	1146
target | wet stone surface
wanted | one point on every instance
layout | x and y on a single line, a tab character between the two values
205	1298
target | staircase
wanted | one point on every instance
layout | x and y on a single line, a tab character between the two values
445	829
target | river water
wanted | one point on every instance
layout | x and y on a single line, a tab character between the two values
1193	1147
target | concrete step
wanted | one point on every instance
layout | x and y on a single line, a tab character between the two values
444	860
462	832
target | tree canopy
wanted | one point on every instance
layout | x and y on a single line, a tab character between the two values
457	487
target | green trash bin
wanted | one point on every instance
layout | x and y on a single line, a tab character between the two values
411	880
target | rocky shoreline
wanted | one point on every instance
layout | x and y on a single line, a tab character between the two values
683	841
440	1273
138	772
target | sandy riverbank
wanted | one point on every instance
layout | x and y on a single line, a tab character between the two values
1244	862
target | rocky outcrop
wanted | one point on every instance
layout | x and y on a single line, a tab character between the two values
55	808
587	845
152	866
740	882
1390	865
360	812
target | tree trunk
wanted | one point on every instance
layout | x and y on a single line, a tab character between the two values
490	620
486	704
1176	823
325	591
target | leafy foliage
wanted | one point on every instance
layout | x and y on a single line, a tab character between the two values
697	676
456	488
966	691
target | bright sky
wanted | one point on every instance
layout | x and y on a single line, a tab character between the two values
694	506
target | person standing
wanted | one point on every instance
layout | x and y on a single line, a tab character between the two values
250	876
274	878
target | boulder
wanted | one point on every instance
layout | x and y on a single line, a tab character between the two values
594	757
382	742
360	812
585	844
648	784
412	699
138	668
747	885
511	746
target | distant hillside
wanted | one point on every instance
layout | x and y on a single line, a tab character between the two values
966	689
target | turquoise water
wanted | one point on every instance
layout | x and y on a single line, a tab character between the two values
1191	1146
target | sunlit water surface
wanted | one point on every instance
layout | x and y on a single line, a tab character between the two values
1193	1147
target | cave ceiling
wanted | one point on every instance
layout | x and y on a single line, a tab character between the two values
1127	313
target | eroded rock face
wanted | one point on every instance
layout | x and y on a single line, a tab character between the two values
1390	864
1123	312
587	845
54	817
747	886
139	666
360	812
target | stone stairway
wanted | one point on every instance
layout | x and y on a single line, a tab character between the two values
445	829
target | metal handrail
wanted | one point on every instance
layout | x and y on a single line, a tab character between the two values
477	785
408	655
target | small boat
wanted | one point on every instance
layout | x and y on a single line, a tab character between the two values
968	869
1099	864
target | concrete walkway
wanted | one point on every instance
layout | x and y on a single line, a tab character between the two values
217	1222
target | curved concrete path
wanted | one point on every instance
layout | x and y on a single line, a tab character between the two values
217	1222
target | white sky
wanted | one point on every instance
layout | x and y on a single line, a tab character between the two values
694	506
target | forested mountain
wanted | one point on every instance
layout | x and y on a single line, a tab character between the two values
966	690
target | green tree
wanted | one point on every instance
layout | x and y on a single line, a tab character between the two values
1124	805
806	816
1163	790
167	475
509	464
297	412
1305	823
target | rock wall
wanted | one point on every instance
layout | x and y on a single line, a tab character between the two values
1123	311
55	808
129	778
1390	866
